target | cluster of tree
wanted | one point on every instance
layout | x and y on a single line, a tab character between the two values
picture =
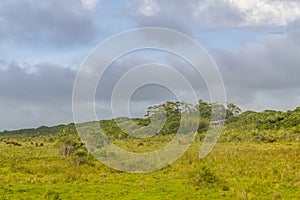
170	113
267	120
167	118
42	130
70	145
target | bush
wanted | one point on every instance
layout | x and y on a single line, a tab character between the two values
203	178
80	157
203	125
66	145
52	195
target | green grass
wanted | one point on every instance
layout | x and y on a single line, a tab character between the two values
230	171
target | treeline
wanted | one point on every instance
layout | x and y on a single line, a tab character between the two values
259	126
256	123
42	133
268	120
170	111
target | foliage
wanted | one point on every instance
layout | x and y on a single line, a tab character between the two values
66	145
202	177
247	126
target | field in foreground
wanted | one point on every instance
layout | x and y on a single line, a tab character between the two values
230	171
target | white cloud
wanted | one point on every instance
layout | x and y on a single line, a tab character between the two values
218	13
90	4
149	8
265	12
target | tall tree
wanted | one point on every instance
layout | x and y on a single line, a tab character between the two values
233	109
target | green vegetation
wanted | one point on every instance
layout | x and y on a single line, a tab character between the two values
243	164
258	126
230	171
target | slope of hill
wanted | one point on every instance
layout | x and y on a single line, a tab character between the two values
249	125
266	124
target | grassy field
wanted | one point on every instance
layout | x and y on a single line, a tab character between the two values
230	171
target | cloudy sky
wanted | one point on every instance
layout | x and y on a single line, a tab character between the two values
255	44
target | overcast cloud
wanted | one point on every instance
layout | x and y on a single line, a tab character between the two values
264	75
54	23
42	44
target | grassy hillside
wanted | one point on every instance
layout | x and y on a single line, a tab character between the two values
246	126
257	126
243	164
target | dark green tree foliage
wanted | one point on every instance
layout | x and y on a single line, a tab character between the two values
172	111
173	114
267	120
43	130
66	145
232	113
207	112
204	109
258	125
203	125
71	146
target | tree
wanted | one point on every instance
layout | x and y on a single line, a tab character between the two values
233	110
204	109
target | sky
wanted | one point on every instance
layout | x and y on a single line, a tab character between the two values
255	45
